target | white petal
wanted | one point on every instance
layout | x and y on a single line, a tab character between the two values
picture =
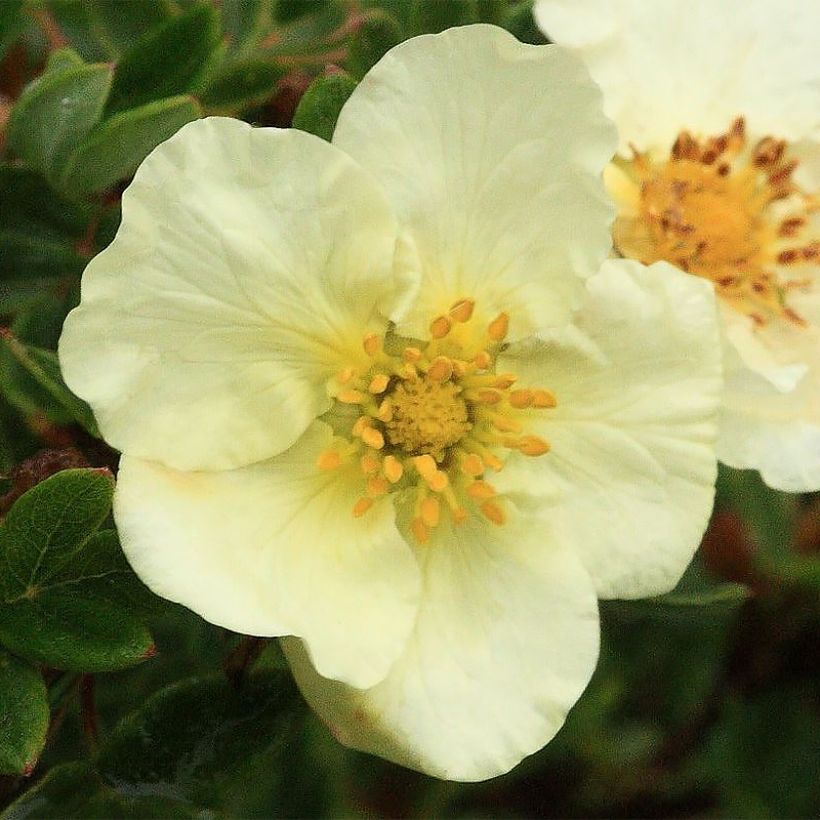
273	549
491	153
505	642
696	64
632	467
248	266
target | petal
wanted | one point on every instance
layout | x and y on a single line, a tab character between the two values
491	153
696	64
632	467
249	264
273	549
777	433
505	642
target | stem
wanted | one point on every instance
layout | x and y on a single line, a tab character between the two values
88	711
241	660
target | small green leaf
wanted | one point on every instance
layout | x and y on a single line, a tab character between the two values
24	715
55	113
61	60
304	34
114	150
377	34
31	381
12	23
435	17
245	21
520	22
76	790
241	84
168	60
319	108
69	597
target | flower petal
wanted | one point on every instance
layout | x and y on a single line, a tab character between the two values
697	64
632	467
491	153
505	642
273	549
249	264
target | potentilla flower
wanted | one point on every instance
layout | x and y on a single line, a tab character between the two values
366	399
718	172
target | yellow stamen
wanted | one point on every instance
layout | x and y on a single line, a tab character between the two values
420	531
411	355
430	511
440	327
362	506
480	489
372	344
392	468
440	370
543	398
377	486
346	375
522	398
472	465
373	438
378	384
493	512
369	463
329	460
350	396
498	328
462	311
533	446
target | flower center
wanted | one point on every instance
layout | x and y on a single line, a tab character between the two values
723	211
432	418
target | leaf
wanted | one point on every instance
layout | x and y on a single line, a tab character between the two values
304	34
245	21
24	715
167	61
202	741
114	150
12	23
30	380
320	105
68	594
435	17
76	790
63	59
377	34
520	22
241	84
55	113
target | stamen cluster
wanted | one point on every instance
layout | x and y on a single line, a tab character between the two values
432	418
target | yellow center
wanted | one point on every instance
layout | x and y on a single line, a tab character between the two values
433	418
723	211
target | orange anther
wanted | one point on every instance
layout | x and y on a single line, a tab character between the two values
411	354
440	327
369	463
472	465
459	515
430	511
378	384
483	360
420	531
462	310
497	330
493	512
373	438
372	344
329	460
362	506
346	375
522	398
377	486
438	482
426	465
385	412
480	489
489	396
350	396
505	380
533	446
543	398
360	425
392	468
505	424
441	369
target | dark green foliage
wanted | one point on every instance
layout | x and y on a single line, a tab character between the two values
320	106
377	34
23	715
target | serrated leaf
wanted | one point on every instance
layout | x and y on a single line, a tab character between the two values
24	715
377	34
76	790
30	380
61	577
167	61
54	114
202	741
241	84
114	150
320	105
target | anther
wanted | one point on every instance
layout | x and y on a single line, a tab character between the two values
360	425
373	438
482	360
481	490
329	460
420	531
350	396
788	257
505	424
377	486
441	369
411	354
430	511
505	380
378	384
522	398
543	398
489	396
472	465
462	310
346	375
369	463
497	330
362	506
385	411
372	344
493	512
440	327
533	446
392	469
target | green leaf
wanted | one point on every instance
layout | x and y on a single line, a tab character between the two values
435	17
114	150
30	380
520	22
241	84
167	61
76	790
202	741
12	23
317	22
24	715
245	21
320	105
68	594
61	60
55	113
377	34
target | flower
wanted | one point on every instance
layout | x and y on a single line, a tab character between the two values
718	172
366	399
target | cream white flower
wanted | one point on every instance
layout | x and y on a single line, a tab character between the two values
365	397
718	172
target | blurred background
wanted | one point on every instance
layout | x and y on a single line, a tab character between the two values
705	703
